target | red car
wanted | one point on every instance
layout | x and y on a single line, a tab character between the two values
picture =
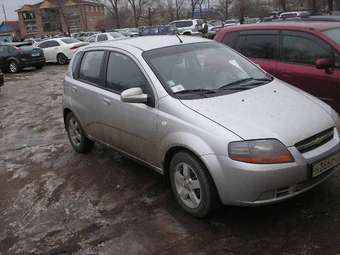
304	54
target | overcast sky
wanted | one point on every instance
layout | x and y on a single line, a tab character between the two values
11	6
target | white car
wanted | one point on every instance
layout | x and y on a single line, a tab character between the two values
105	37
60	50
188	26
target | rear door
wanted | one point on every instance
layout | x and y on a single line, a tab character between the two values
50	49
262	47
298	54
87	91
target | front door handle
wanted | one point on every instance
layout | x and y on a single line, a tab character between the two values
107	101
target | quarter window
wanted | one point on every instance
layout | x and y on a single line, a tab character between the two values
123	73
90	68
259	46
301	50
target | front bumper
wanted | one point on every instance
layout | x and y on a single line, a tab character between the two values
252	184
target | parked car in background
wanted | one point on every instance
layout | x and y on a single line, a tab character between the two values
231	22
83	36
128	32
305	54
158	30
105	37
286	15
216	125
33	40
328	18
60	50
16	56
188	26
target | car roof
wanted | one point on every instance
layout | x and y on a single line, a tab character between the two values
299	26
146	43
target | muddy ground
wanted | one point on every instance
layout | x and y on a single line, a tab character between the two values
55	201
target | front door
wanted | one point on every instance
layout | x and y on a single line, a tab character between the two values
136	122
299	52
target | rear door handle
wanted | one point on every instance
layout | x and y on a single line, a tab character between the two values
74	89
107	101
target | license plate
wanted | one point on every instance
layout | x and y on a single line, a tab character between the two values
36	54
325	165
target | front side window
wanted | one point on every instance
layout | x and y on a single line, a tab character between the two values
259	46
183	23
301	50
123	73
204	67
90	68
102	37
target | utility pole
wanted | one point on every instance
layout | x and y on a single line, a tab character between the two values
4	10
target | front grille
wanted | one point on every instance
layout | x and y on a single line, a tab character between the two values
315	141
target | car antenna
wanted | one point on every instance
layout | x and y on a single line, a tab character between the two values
179	38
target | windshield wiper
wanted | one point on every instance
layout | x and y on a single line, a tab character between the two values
248	83
196	91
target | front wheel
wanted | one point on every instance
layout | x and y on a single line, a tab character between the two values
13	67
192	185
76	135
62	59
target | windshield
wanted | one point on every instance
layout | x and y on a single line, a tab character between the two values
334	34
203	66
69	40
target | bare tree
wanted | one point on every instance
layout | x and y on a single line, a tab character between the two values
61	12
224	7
283	5
330	6
137	7
193	6
179	6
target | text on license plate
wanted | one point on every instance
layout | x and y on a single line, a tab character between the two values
35	54
325	165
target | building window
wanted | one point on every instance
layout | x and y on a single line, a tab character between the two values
51	20
28	16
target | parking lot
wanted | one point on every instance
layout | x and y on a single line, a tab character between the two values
54	201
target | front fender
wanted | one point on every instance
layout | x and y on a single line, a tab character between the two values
185	140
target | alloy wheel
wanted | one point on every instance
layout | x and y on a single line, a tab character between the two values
187	185
74	131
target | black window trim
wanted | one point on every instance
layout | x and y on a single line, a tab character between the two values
101	84
152	101
307	36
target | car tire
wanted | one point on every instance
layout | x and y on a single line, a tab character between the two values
192	186
62	59
13	67
76	135
39	66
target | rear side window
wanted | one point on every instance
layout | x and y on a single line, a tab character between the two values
259	46
187	23
90	68
102	37
48	44
302	50
123	73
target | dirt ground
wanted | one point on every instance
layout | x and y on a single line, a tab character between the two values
55	201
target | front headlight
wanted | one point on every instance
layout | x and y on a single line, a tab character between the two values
267	151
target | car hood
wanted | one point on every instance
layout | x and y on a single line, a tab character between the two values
273	110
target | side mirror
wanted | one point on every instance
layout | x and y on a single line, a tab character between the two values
324	63
134	95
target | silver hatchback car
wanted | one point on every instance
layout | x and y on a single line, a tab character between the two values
194	110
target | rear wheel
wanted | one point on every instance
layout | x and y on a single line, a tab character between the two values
192	185
62	59
13	66
76	135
